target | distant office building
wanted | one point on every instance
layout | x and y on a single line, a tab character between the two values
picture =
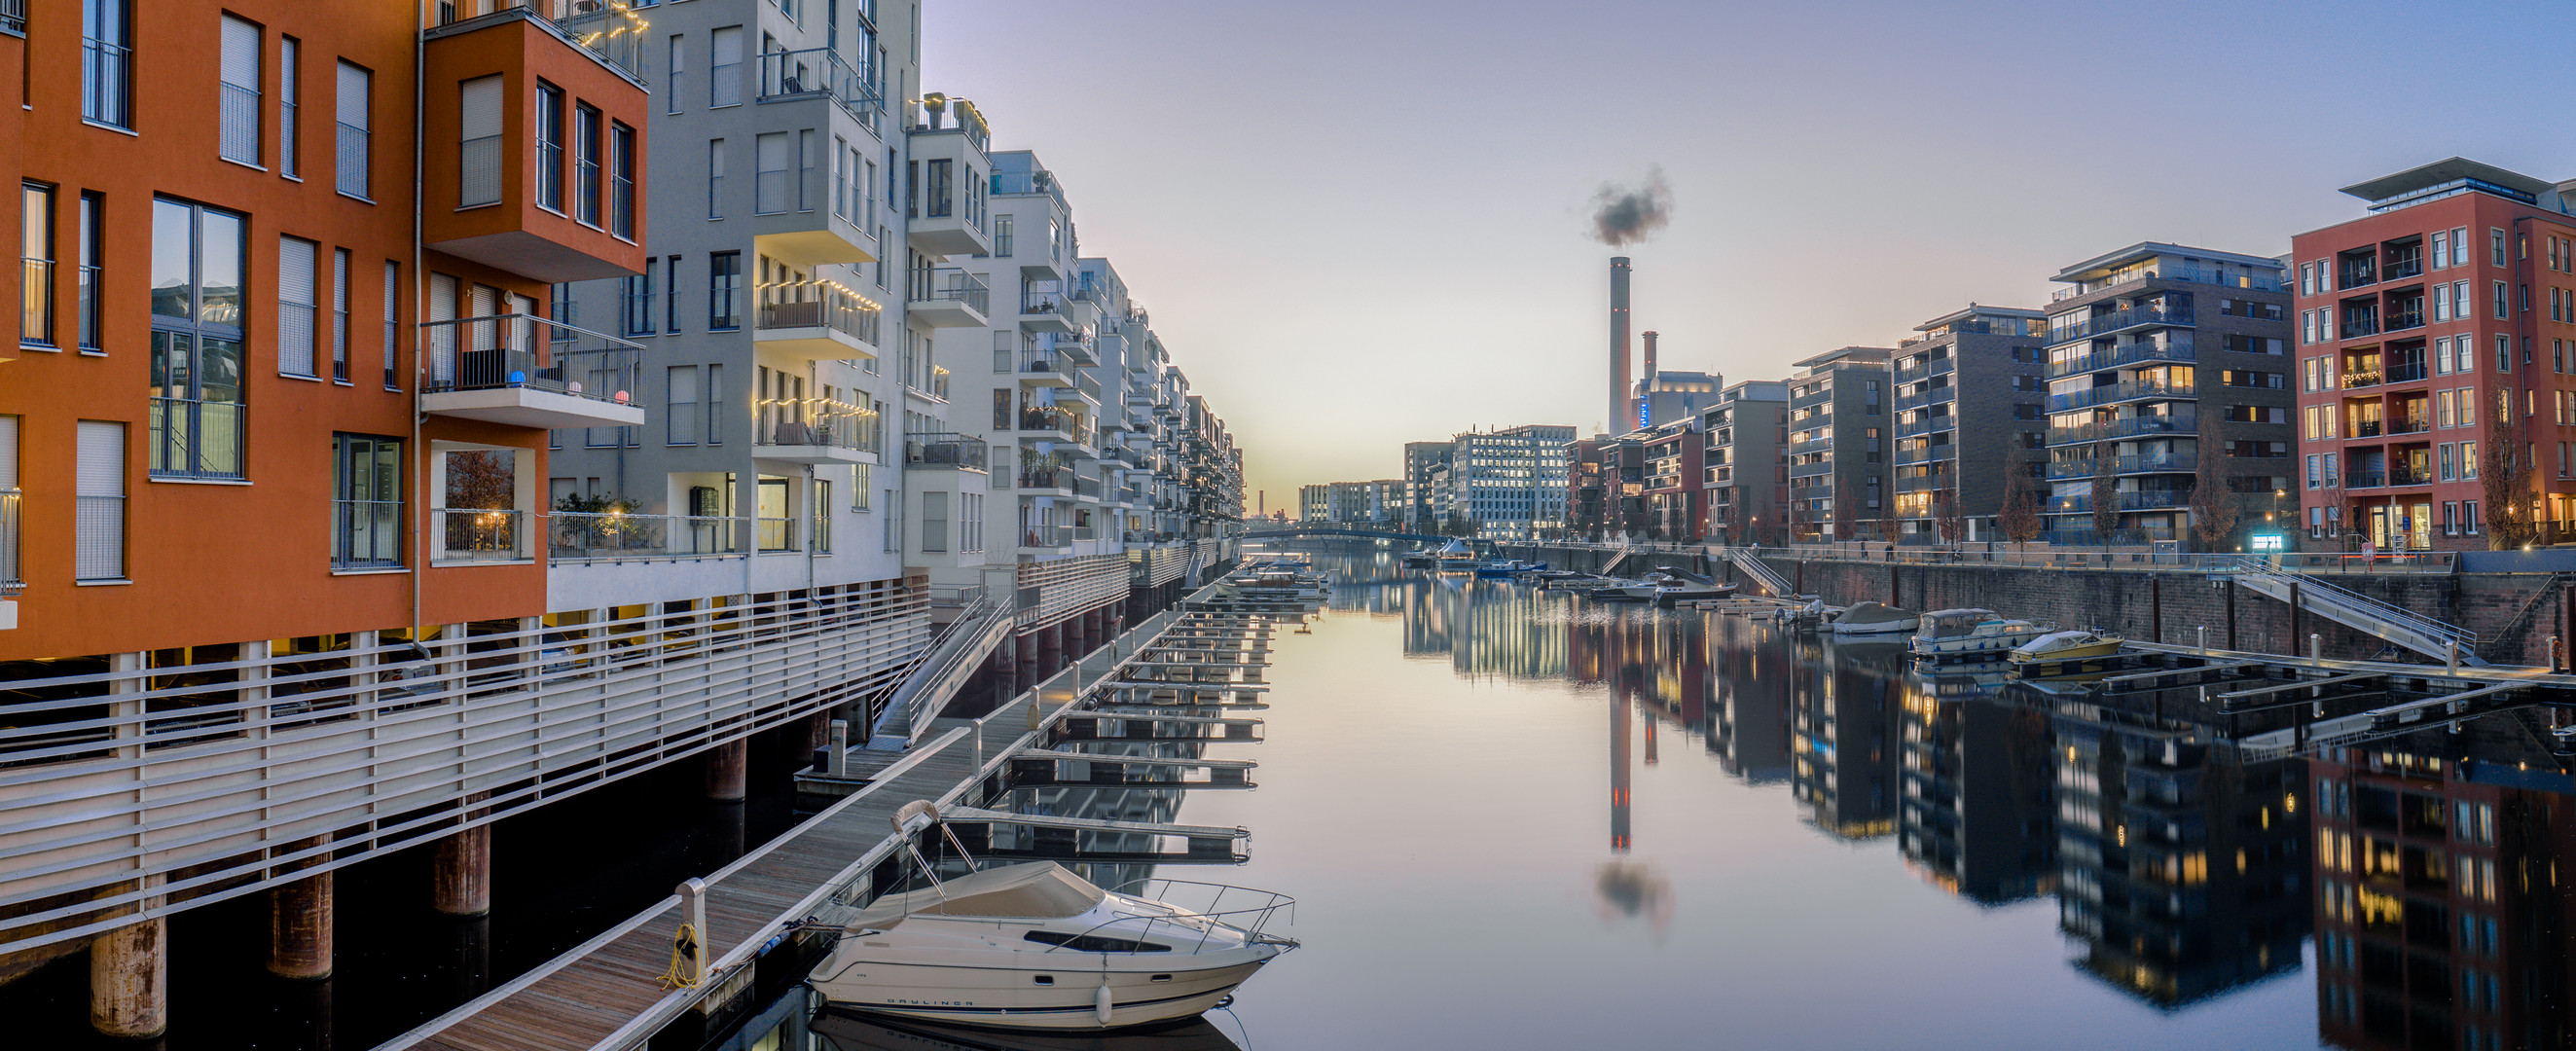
1667	396
1420	459
1969	397
2159	354
1315	503
1511	483
2454	298
1746	467
1838	444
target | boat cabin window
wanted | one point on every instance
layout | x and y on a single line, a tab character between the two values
1094	942
1046	979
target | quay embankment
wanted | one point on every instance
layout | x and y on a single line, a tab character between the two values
2514	614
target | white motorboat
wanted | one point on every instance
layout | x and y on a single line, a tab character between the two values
1970	633
2060	646
1034	946
1871	618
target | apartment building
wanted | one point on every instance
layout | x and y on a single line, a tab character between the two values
1605	481
2431	331
1676	494
1969	397
1420	460
1839	416
2159	354
1511	483
1746	466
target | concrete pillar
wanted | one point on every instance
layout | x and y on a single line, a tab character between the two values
1027	645
461	869
129	980
299	919
1050	649
728	769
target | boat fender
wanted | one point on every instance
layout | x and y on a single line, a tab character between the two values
1100	1002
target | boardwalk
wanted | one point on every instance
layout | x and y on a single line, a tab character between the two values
608	992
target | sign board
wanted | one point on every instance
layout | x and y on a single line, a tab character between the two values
2268	542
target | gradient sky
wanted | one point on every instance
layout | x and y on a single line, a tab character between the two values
1362	224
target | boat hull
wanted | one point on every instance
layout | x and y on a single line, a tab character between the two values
2072	653
1885	629
1010	998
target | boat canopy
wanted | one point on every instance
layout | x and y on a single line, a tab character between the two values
1872	613
1956	621
1039	890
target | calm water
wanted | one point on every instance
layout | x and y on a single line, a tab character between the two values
1516	820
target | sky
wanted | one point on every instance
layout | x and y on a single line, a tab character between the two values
1362	224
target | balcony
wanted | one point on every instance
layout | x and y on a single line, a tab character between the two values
1042	308
2146	463
946	297
1045	539
836	325
2370	479
2409	474
1941	395
501	368
2401	320
482	534
1931	454
2355	326
1927	370
2115	393
2354	380
2356	273
2125	427
820	73
1046	480
1044	367
2120	321
2416	424
933	451
482	199
1927	425
2125	354
951	196
2128	500
2405	372
819	434
1086	488
613	537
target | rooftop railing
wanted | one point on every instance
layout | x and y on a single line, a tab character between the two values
2193	274
502	351
2118	320
1036	180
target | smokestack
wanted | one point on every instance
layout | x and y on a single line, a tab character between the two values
1618	345
1646	383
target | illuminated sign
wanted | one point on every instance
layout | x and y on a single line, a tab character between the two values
2268	542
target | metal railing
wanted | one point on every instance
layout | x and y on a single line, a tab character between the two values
107	85
2354	380
12	581
773	535
13	16
839	311
1042	297
504	351
366	534
2126	354
2365	479
820	72
2123	428
2312	589
1046	362
584	536
467	534
349	149
608	30
950	285
2130	500
2355	276
946	450
817	426
2175	272
2405	372
2118	320
2402	267
1927	370
2149	463
2113	393
1035	180
1046	418
199	439
1046	478
1043	536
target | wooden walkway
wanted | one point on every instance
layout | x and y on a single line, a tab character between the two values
608	991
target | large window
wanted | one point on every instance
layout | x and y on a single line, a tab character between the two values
938	192
586	146
198	257
36	265
478	151
393	323
675	79
107	86
296	310
681	405
725	81
91	208
769	173
98	539
349	153
638	302
290	52
724	290
340	315
550	147
237	111
478	512
366	498
621	191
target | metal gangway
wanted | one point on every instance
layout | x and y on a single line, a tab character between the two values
2360	612
1754	567
984	623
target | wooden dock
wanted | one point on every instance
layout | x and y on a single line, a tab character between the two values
609	992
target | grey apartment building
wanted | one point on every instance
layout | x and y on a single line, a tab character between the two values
1839	437
2159	354
1970	394
1746	468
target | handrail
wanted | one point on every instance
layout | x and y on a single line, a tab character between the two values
1209	919
2466	639
946	652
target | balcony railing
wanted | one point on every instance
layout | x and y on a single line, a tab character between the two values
11	514
820	72
773	535
2410	425
1042	297
2353	380
504	351
13	16
481	534
1035	180
2408	474
1043	361
950	285
1046	478
1943	395
2399	322
2119	320
1048	418
2175	272
2127	354
1927	425
366	534
1043	536
2402	267
2124	428
2355	276
1087	488
2406	372
2114	393
2133	500
2147	463
1927	370
817	425
945	450
580	536
844	313
2357	327
2365	479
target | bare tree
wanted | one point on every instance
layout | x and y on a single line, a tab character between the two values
2020	519
2214	509
1846	519
1950	511
2106	491
2506	474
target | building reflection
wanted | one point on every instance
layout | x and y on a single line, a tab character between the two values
1977	817
1749	685
1845	722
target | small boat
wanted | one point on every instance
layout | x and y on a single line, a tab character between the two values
1426	555
1969	633
849	1031
1507	568
1805	618
2059	646
1871	618
1033	946
1455	557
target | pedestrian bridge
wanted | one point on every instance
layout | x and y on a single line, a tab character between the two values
1349	531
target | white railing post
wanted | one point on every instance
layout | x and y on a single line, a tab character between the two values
837	763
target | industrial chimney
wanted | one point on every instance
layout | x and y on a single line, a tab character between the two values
1646	383
1618	345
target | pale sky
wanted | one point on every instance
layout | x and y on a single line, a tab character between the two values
1362	224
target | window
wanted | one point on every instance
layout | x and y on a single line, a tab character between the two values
726	81
843	159
934	521
2442	415
2451	527
296	321
2459	246
769	173
715	178
621	196
2307	279
2468	459
586	148
107	89
939	190
290	53
680	394
340	315
92	209
675	80
349	154
98	494
478	512
671	295
2441	249
2504	349
237	112
198	257
478	155
861	478
2468	407
724	290
2469	517
2449	470
638	302
393	323
805	171
2495	244
2442	356
715	405
36	265
367	495
550	145
1002	237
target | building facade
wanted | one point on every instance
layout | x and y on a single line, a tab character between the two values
1511	483
1746	467
1675	488
1420	460
1969	397
2158	355
1839	413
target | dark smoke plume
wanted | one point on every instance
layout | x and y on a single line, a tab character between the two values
1622	215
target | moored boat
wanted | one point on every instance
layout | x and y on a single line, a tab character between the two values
1969	633
1872	618
2059	646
